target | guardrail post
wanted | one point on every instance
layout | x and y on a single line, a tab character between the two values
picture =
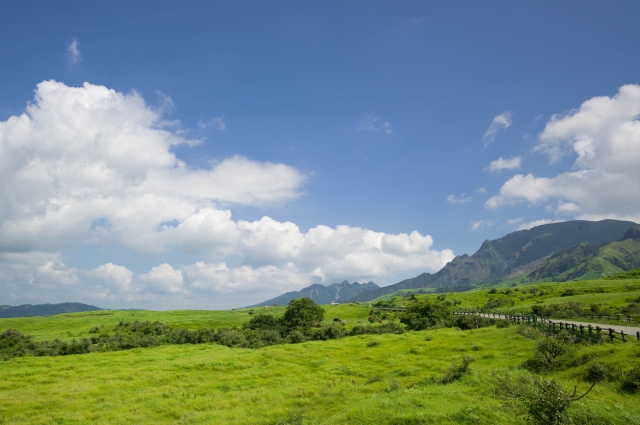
610	334
622	334
638	336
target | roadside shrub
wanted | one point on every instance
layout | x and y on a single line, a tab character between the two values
468	321
502	323
373	343
548	402
596	372
632	308
423	315
630	382
548	351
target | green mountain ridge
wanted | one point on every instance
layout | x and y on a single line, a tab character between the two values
519	253
631	274
338	292
27	310
587	261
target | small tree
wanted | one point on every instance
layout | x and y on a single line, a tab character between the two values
303	312
549	350
549	401
423	315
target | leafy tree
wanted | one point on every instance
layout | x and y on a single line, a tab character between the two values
423	315
303	312
263	322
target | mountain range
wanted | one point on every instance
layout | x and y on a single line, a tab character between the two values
27	310
521	252
338	292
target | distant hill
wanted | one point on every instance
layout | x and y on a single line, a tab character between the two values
27	310
588	261
321	294
511	256
4	307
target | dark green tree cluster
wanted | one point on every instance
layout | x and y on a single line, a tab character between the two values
424	314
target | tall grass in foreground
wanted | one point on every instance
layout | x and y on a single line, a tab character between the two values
346	381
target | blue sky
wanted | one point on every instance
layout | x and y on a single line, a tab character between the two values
385	118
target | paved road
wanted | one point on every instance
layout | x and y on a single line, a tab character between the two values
628	330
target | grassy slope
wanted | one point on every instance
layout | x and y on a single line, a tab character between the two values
610	259
78	325
615	294
328	381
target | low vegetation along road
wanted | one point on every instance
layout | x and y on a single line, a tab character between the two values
628	330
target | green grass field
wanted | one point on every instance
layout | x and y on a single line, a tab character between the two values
612	295
367	379
332	382
77	325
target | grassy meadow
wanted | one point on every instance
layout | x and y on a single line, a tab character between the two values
78	325
364	379
611	295
347	381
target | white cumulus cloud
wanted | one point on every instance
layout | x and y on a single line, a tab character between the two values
89	165
603	136
504	164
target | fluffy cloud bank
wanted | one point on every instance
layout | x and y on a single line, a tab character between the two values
89	165
604	137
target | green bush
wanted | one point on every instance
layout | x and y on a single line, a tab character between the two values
630	381
424	315
303	312
549	350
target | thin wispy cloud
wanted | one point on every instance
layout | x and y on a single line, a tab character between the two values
375	124
74	51
459	199
532	224
499	122
477	224
504	164
217	122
